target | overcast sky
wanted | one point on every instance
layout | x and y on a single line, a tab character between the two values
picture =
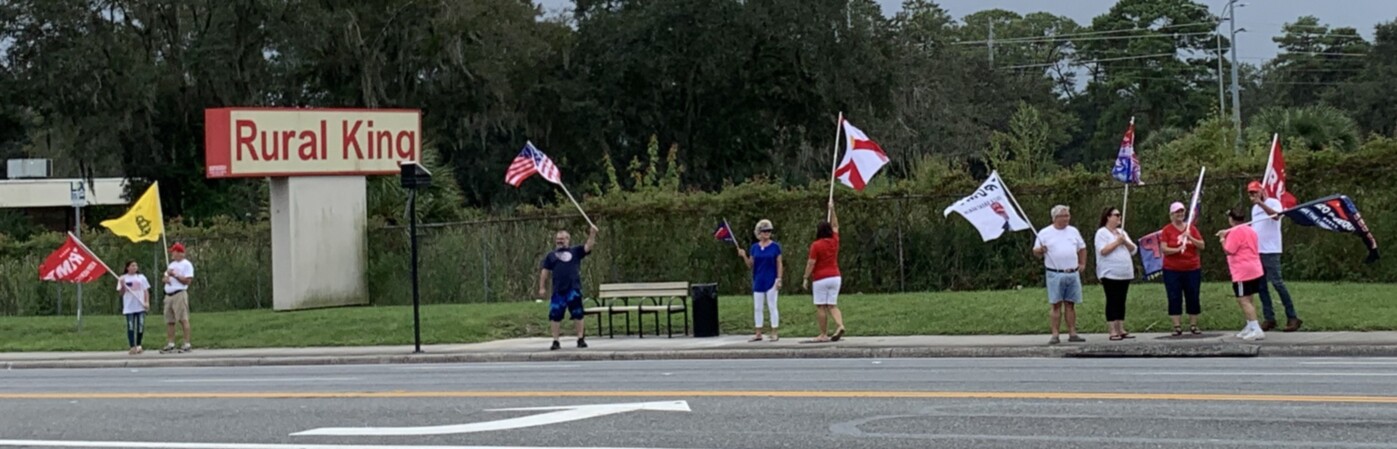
1262	18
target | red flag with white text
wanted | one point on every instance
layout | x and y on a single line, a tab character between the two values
1273	182
72	262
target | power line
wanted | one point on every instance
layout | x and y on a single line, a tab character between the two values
1090	33
1091	62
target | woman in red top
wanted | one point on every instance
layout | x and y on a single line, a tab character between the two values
823	269
1183	270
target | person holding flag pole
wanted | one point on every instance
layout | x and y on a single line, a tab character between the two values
564	263
1269	197
767	265
1183	268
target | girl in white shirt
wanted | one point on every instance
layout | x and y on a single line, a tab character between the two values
1115	268
135	300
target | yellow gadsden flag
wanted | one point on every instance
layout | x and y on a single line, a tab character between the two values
144	222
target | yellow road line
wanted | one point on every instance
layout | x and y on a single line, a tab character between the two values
722	394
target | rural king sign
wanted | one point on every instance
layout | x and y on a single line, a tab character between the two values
268	142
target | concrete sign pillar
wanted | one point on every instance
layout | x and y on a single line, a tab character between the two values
318	242
317	160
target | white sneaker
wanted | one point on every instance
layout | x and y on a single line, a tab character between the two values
1244	332
1256	334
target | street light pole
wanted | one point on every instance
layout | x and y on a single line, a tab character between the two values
1236	88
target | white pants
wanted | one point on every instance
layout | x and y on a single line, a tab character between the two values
768	297
826	291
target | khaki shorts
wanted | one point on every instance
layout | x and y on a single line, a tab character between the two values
177	307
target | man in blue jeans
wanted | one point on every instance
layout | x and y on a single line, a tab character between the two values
564	263
1266	221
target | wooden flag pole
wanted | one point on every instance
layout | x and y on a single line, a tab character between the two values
730	234
94	255
834	164
579	206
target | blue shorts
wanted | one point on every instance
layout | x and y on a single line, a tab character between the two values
1064	287
568	301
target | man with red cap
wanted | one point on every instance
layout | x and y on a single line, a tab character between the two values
1266	221
177	278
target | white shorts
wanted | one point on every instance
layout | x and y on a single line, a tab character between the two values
826	291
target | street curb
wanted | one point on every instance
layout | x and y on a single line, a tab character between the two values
1146	350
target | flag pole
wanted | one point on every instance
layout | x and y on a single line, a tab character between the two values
164	240
579	206
734	237
1193	204
94	255
1018	208
1125	204
834	164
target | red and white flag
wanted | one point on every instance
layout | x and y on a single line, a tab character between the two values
862	158
1273	182
74	263
529	162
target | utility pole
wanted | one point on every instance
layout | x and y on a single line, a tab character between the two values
1236	88
991	42
1222	106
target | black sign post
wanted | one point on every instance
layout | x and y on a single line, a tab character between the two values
414	177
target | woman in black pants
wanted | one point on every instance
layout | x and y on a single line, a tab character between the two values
1115	268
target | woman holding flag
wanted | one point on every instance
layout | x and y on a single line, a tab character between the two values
823	270
766	265
1183	269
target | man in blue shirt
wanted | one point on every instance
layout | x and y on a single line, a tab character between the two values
564	263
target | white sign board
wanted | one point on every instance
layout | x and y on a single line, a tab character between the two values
78	193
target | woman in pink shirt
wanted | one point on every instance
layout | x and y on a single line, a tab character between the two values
1244	261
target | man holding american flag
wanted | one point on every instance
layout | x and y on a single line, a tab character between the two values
564	263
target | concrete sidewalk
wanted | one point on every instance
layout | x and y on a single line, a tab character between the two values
1210	344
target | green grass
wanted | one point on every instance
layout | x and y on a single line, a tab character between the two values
1324	306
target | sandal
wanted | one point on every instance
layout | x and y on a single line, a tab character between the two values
1127	336
1193	329
1178	331
1117	338
754	339
837	335
774	339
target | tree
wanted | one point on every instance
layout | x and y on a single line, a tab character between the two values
1369	97
1152	59
1316	128
1314	60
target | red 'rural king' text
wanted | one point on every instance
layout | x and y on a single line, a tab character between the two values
358	141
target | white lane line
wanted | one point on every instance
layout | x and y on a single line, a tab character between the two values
540	366
1349	363
259	380
152	445
1252	373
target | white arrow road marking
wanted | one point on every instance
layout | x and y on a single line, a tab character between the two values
151	445
555	415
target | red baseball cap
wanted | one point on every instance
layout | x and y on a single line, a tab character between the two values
177	248
1254	186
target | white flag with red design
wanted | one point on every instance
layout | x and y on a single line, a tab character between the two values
862	158
1273	182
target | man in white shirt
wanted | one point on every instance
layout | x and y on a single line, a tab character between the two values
177	278
1064	256
1266	221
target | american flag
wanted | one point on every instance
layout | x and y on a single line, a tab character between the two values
529	162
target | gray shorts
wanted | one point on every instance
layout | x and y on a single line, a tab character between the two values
1064	287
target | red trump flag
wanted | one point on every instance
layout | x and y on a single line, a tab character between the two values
72	262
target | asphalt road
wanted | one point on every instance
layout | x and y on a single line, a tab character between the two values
849	403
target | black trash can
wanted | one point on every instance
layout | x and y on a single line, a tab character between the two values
705	301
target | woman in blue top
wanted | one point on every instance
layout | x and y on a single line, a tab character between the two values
766	265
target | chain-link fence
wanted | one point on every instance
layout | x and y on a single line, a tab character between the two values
898	244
